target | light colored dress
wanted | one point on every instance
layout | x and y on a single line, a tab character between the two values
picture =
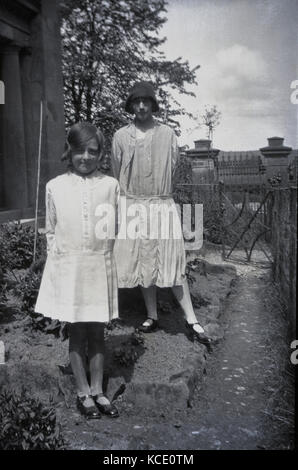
145	168
79	282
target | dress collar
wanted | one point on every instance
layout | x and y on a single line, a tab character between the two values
88	178
132	128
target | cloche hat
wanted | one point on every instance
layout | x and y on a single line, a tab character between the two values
141	90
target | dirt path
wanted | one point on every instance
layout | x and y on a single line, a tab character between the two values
246	400
242	400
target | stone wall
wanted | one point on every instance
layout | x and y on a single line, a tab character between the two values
284	246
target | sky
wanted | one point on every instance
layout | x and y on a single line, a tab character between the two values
248	56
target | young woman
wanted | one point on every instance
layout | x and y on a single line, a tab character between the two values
79	283
144	157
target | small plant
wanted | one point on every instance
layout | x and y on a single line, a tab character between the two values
3	294
27	424
164	307
190	278
198	301
27	289
17	245
129	351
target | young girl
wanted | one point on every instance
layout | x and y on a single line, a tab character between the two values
79	283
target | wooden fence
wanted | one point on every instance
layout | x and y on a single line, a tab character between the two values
283	221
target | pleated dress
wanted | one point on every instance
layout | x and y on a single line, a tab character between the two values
79	282
149	249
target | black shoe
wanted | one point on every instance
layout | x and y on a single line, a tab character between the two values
201	337
90	412
109	410
148	328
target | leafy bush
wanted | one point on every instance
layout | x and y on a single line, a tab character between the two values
17	245
3	294
27	424
213	209
27	289
129	351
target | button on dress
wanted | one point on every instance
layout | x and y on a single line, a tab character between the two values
79	282
144	168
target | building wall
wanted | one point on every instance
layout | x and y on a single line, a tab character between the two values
30	67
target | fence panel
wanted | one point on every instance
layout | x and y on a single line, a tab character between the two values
284	245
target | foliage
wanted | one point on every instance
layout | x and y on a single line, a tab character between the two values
27	424
17	245
213	210
211	119
129	351
27	289
16	252
183	172
165	308
106	46
3	293
213	231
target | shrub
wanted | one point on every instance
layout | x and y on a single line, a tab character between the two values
129	351
3	294
27	289
27	424
17	245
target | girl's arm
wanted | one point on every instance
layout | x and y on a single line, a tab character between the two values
51	218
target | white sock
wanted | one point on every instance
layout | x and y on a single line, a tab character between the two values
103	400
198	328
148	322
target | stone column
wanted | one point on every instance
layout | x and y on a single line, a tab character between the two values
202	158
276	161
32	95
14	155
53	85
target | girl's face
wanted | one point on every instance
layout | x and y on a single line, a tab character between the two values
85	161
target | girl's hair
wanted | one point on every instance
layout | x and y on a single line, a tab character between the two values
78	137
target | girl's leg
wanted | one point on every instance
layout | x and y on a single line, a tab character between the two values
182	294
96	350
149	294
77	356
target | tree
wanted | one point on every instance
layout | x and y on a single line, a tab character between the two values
211	119
106	46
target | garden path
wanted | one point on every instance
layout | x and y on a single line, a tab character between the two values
246	399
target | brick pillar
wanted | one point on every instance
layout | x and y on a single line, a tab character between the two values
13	146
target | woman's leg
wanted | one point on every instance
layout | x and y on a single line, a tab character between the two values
77	356
149	294
96	350
182	294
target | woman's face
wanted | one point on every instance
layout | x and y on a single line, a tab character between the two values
85	161
142	108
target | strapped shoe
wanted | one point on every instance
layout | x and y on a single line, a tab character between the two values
108	409
201	337
153	324
90	412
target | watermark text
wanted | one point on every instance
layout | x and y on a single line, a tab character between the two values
151	221
2	92
294	94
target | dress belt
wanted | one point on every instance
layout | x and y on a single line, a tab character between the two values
151	196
